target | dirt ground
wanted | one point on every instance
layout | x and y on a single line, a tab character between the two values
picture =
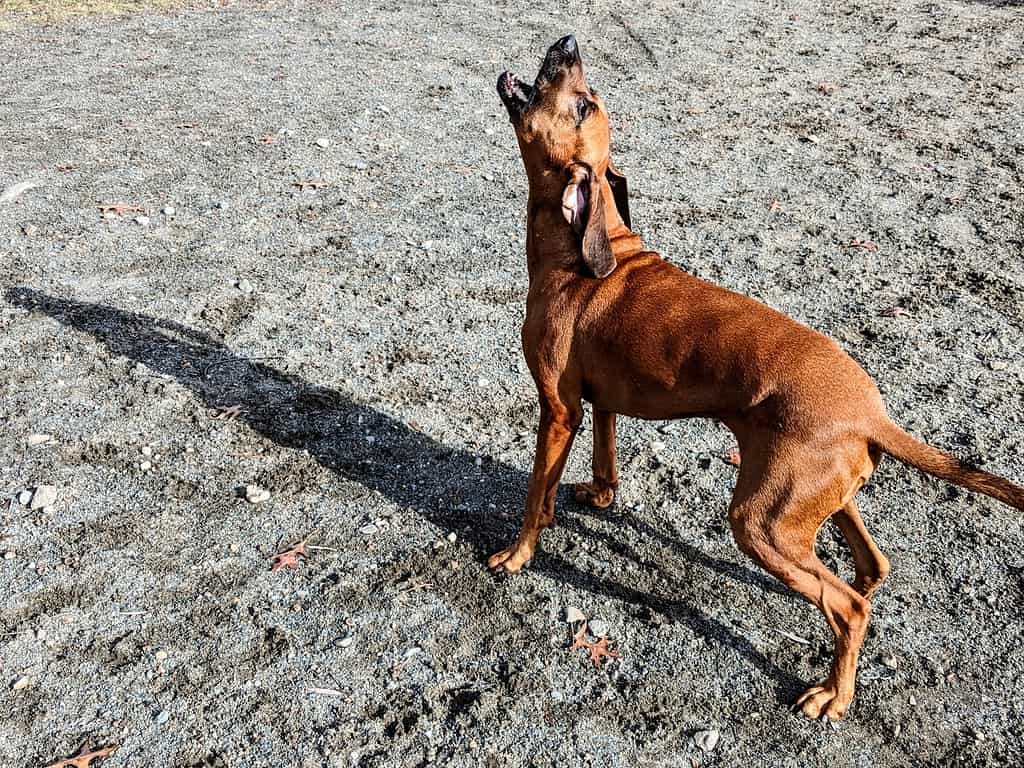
352	348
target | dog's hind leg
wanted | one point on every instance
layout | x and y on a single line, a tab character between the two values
872	566
775	517
600	492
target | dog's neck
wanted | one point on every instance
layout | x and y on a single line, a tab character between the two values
552	246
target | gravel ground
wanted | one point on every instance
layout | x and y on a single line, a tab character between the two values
352	348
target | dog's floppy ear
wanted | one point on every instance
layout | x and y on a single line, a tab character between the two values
620	191
583	208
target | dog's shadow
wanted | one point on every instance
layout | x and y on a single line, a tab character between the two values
379	452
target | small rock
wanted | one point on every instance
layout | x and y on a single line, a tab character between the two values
657	446
888	659
163	717
44	496
21	683
221	204
38	439
323	143
147	450
256	495
29	230
598	627
453	537
146	466
912	700
168	210
9	554
245	286
142	221
344	642
707	740
25	498
161	655
368	529
574	614
483	382
359	165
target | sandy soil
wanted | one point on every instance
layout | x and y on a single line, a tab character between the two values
365	334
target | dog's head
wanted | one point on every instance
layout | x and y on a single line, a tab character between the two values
565	138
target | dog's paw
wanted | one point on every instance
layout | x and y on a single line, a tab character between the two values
509	560
595	495
823	699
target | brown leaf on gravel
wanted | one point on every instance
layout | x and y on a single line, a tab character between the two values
867	245
230	413
84	759
309	183
775	206
290	557
120	209
597	650
732	456
267	139
827	88
894	312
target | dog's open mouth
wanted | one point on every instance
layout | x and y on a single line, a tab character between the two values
515	94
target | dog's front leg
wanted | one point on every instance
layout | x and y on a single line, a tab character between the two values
558	426
600	492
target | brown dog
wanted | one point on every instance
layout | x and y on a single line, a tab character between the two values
610	322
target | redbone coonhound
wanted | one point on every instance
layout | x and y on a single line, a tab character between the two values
611	322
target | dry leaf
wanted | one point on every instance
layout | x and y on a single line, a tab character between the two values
120	209
267	139
309	183
867	245
290	557
84	759
894	312
597	650
732	456
229	413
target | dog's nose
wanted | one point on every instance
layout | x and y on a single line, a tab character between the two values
567	45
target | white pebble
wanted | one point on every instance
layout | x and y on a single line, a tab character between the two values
142	221
323	143
25	498
452	537
168	210
574	614
707	740
146	466
38	439
21	683
256	495
44	496
147	450
368	530
598	627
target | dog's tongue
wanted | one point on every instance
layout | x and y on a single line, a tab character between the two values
573	202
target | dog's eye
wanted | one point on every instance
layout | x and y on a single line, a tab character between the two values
583	108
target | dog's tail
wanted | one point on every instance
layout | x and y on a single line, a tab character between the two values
898	444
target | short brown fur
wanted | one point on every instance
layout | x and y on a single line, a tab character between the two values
637	336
